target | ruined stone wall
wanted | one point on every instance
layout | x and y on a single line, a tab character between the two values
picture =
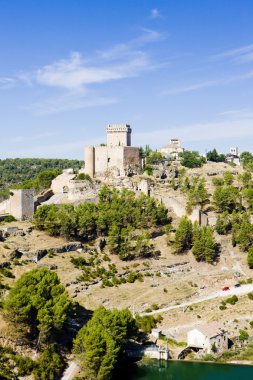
5	207
179	208
62	182
22	204
131	156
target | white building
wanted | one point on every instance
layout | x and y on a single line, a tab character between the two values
233	156
234	151
211	338
172	149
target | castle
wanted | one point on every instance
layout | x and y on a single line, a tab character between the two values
117	157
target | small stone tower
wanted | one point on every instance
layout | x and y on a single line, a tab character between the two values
21	204
118	135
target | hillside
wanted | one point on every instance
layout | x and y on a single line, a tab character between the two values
124	252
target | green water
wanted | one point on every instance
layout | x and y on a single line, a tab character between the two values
155	370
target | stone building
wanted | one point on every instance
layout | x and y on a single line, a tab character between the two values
233	156
117	157
172	149
20	204
210	338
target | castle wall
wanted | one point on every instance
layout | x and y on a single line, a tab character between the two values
61	182
131	156
107	158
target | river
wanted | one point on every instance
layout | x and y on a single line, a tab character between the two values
179	370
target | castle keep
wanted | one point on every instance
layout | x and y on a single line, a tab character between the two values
117	157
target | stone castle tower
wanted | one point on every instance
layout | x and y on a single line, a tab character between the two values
118	135
117	157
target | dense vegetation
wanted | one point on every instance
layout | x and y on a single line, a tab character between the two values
38	307
17	170
41	182
200	239
117	215
38	311
191	159
22	172
100	342
214	156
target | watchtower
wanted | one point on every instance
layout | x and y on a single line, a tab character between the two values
118	135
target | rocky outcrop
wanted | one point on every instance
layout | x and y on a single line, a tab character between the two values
40	253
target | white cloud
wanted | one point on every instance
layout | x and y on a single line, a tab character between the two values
154	13
119	62
242	54
207	84
75	75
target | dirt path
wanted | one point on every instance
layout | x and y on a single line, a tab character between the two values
70	372
244	289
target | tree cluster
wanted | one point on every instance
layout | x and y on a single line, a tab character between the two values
116	215
200	239
214	156
196	193
100	342
17	170
41	182
191	159
38	307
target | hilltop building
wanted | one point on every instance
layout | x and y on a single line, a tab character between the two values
233	156
117	157
172	149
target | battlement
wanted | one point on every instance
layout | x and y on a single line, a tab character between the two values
118	135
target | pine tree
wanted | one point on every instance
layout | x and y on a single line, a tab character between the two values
183	236
204	245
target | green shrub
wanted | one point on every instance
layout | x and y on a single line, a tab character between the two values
232	300
25	365
243	335
9	219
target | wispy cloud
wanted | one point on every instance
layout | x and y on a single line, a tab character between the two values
7	82
206	84
74	73
154	13
243	54
73	77
34	137
226	127
121	61
68	102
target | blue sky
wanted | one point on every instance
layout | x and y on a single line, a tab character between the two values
169	68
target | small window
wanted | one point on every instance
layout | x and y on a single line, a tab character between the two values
108	159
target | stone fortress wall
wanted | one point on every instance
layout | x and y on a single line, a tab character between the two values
118	157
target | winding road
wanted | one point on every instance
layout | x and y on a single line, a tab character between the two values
242	290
